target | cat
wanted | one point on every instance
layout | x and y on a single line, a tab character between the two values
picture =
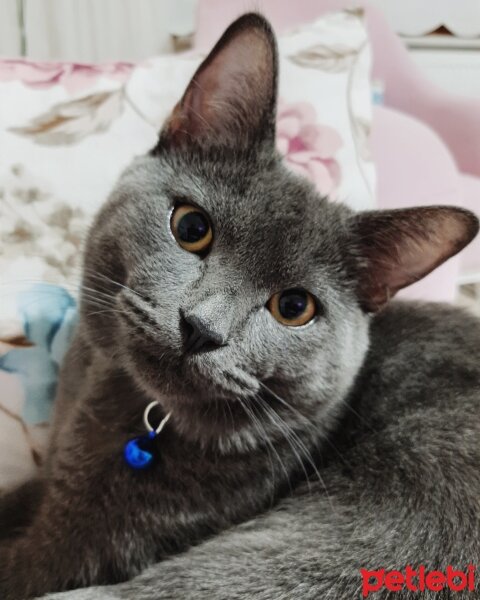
314	428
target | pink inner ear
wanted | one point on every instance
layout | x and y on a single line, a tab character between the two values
231	92
414	261
403	246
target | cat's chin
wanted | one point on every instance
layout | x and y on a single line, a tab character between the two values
208	405
197	380
221	422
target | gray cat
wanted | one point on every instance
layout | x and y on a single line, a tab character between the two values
313	431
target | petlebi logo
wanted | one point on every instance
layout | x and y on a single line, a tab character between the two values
418	580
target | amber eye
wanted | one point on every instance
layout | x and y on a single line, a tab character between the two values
191	228
292	307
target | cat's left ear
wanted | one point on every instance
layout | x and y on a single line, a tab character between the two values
231	99
395	248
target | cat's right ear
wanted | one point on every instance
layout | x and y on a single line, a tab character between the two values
395	248
231	100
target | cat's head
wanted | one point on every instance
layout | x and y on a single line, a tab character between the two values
231	276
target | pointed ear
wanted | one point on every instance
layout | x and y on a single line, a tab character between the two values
398	247
231	99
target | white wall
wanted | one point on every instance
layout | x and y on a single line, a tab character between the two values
103	30
418	17
94	30
10	35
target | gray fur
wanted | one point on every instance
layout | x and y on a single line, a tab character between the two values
402	484
294	456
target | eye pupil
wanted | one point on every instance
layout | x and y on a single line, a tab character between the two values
292	303
192	227
293	307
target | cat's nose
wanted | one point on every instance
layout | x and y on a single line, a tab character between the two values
200	334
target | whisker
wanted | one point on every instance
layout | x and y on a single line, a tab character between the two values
306	452
359	416
89	298
285	432
269	448
264	435
107	310
307	421
95	291
101	276
49	288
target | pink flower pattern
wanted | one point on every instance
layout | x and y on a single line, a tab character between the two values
308	147
75	77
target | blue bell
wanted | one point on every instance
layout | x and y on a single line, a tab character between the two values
139	453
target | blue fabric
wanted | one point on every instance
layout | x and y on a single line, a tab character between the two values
49	315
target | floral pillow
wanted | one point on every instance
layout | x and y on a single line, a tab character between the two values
66	132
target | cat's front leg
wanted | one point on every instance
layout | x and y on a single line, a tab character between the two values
18	508
28	567
39	562
51	556
78	538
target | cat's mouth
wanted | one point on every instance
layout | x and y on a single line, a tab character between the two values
232	382
201	378
209	404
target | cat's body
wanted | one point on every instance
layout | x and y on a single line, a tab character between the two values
398	474
262	397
